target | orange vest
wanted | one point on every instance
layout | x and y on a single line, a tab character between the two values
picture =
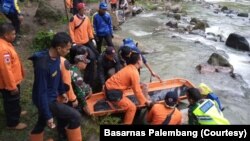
159	112
69	3
128	77
113	1
82	34
66	77
11	69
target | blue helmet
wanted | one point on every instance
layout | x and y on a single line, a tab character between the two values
103	6
129	43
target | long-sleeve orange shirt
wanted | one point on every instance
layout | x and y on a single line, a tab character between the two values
83	33
159	112
128	77
11	69
66	77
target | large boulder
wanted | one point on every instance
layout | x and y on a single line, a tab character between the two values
46	12
237	42
216	63
218	60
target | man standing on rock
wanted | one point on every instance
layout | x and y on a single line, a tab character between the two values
11	75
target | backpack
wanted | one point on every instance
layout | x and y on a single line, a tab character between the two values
7	6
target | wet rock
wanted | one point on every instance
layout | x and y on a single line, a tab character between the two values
218	60
136	10
224	8
243	15
47	12
172	24
177	16
237	42
206	68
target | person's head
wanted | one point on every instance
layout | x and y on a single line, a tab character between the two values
61	42
171	99
103	7
81	7
110	53
7	32
204	89
135	59
193	95
81	61
77	50
125	52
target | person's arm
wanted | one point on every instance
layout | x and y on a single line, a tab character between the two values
118	65
90	29
41	92
95	23
72	30
6	71
17	7
110	25
135	79
153	73
149	116
100	70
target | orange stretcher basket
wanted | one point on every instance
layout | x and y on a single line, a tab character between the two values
156	91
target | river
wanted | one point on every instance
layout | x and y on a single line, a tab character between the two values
178	57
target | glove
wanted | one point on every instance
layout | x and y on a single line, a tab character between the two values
74	44
94	42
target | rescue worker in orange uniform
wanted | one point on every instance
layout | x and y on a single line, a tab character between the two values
11	75
165	113
81	33
80	29
128	77
72	100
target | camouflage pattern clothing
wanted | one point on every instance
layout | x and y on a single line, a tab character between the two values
81	89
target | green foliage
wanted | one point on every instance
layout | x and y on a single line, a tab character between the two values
92	1
42	40
110	120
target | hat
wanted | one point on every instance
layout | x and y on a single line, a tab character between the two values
81	58
204	89
103	6
171	98
129	43
80	5
110	51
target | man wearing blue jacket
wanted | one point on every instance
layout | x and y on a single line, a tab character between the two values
48	85
102	23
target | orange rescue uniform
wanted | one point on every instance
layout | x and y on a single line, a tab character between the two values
11	69
113	1
128	77
69	3
66	77
159	112
83	33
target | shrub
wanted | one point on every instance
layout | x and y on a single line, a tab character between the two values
42	40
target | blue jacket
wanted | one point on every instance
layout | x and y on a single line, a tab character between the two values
214	97
102	24
47	82
9	7
130	43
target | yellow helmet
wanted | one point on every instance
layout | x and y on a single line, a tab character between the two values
204	89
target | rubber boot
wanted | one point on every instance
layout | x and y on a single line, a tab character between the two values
36	137
74	134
